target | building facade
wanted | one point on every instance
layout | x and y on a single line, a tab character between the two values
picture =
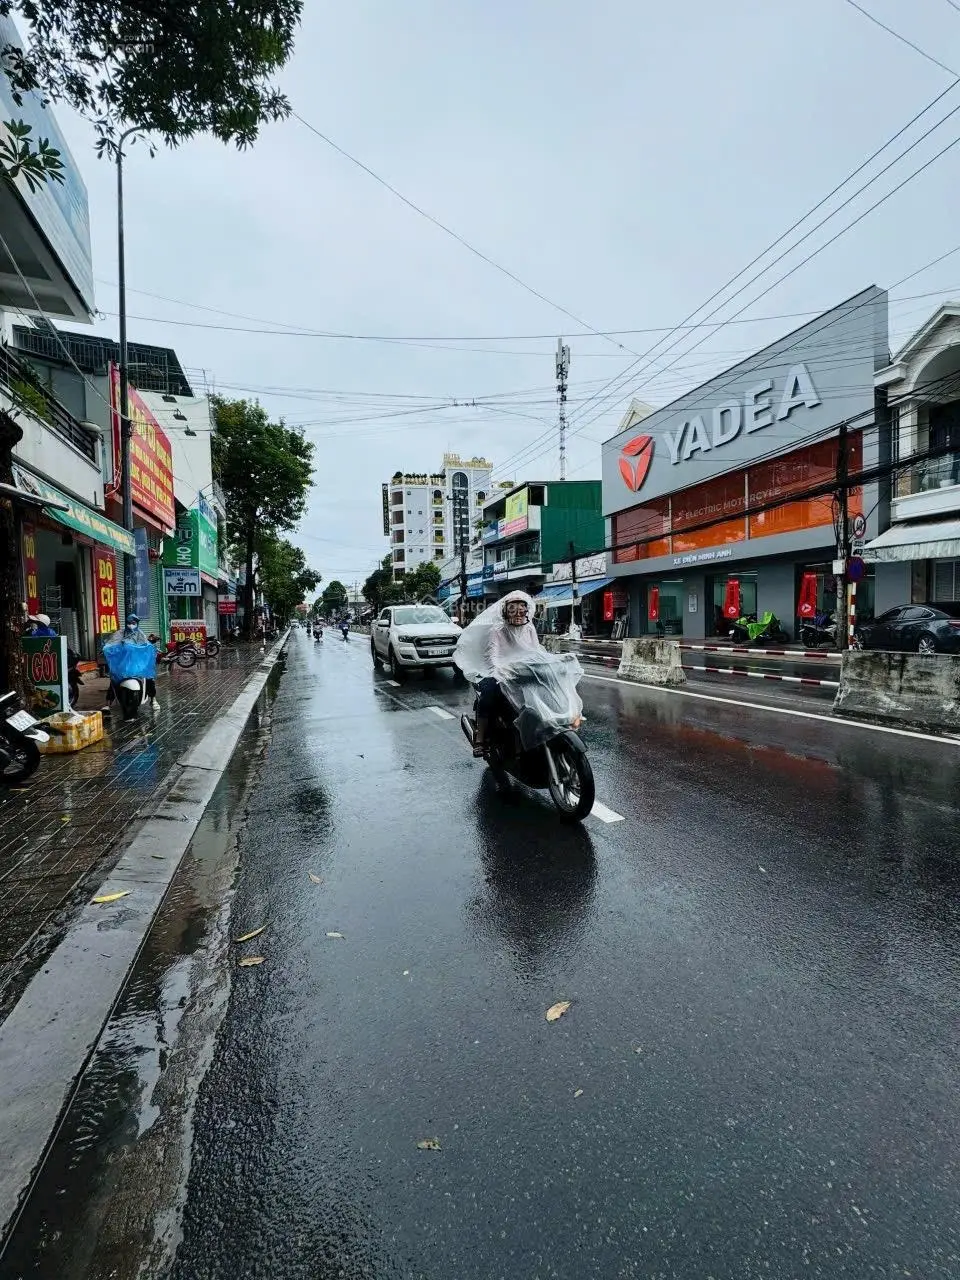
529	527
919	555
428	517
728	492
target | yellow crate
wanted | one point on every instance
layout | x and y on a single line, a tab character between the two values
75	732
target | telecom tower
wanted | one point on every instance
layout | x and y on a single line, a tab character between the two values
563	370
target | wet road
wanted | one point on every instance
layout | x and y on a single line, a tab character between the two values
757	1076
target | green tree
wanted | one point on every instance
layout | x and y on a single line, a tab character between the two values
380	589
283	575
334	597
423	581
265	470
173	68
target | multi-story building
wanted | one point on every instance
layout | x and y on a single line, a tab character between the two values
919	555
529	527
429	516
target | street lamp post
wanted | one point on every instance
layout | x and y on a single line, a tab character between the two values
126	426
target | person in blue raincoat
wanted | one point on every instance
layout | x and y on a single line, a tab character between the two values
132	634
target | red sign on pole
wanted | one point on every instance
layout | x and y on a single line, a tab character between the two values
653	604
31	573
226	606
106	604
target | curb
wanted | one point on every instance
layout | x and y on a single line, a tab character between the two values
51	1032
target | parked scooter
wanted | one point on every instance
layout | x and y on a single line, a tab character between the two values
532	734
181	652
747	630
131	664
820	630
20	739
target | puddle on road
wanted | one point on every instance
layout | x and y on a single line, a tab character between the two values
107	1201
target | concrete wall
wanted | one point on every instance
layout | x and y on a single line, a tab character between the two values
901	688
651	661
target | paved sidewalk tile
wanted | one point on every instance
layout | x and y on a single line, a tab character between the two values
74	815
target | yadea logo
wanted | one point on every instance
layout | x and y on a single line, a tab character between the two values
634	473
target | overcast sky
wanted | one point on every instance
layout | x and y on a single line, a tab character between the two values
623	158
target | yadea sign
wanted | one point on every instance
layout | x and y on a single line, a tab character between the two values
760	407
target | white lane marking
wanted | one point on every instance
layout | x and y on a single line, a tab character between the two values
439	711
394	684
836	721
604	814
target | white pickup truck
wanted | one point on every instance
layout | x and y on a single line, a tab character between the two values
405	636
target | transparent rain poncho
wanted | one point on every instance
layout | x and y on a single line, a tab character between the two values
541	686
128	658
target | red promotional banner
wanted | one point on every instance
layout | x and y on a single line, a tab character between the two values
608	606
807	604
187	629
226	606
731	600
106	604
31	573
151	463
653	604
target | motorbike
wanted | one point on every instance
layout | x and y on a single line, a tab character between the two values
20	738
183	652
345	632
532	734
821	629
747	630
130	665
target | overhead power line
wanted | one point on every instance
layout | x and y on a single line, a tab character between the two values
903	39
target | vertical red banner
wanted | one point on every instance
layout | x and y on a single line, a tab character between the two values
31	572
105	591
731	600
653	604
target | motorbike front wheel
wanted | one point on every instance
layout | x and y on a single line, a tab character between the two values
213	648
574	791
18	760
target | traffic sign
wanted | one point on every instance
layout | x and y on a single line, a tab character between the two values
859	526
855	569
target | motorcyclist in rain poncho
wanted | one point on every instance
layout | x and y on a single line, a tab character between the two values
502	633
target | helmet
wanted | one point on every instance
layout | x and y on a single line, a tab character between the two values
515	609
42	618
133	620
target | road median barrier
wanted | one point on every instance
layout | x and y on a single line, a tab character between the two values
901	688
651	661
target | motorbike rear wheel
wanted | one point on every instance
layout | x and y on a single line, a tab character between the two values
575	791
18	760
186	657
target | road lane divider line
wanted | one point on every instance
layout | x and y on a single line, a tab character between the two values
604	814
836	721
439	711
764	675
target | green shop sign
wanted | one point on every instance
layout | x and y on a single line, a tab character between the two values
194	545
76	515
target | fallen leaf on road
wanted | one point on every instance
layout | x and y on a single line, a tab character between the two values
254	933
65	818
158	856
429	1144
248	960
557	1010
334	935
112	897
577	1093
315	879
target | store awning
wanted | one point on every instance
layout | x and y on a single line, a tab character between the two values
76	515
563	597
937	541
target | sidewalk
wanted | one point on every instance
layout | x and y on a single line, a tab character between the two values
63	832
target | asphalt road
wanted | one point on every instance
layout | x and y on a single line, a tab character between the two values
757	1076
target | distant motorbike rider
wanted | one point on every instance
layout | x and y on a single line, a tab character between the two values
484	648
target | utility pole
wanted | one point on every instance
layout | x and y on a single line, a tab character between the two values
843	537
575	602
126	426
460	521
563	370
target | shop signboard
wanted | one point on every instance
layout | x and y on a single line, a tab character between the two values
142	594
60	209
182	582
76	515
194	546
793	390
587	567
188	631
105	598
151	462
45	666
31	572
226	606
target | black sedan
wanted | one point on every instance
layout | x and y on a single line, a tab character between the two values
913	628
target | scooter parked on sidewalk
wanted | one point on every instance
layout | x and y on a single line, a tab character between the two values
532	734
131	664
820	630
20	739
747	630
181	652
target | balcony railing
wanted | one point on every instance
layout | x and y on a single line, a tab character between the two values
936	473
20	382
